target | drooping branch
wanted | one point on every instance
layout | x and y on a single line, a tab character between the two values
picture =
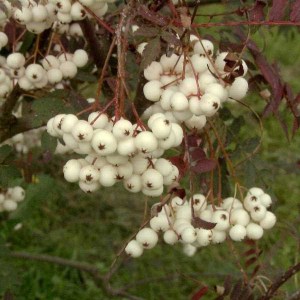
280	281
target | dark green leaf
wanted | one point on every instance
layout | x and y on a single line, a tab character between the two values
48	142
84	76
7	174
151	52
27	42
5	151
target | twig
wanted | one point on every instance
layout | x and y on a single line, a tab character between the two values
280	281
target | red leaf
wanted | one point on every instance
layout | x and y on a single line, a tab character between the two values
179	163
197	153
199	223
278	9
250	261
257	12
200	293
295	11
204	165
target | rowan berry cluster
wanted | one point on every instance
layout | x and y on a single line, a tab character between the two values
196	224
37	17
117	150
10	198
51	71
192	87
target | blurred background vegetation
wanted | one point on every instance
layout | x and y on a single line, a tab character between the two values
58	219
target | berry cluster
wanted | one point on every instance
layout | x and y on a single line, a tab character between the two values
23	142
10	198
117	151
190	88
182	221
51	71
37	17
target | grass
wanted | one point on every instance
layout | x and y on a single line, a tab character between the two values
59	220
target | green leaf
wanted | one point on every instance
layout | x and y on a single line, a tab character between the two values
7	174
5	151
27	42
86	77
48	142
49	106
151	52
43	190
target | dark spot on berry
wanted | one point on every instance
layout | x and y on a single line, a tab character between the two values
129	186
196	201
224	217
253	198
215	105
127	132
144	151
80	136
256	208
59	5
167	122
89	177
149	185
146	245
101	147
119	177
34	76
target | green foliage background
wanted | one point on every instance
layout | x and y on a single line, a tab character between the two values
58	219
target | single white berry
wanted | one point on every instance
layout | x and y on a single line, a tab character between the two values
268	221
89	187
209	104
189	250
170	237
184	212
108	175
153	71
147	237
70	141
179	102
50	62
250	202
205	80
173	177
237	232
178	132
189	86
68	122
177	202
168	62
218	236
152	179
82	131
265	200
9	205
239	216
54	76
35	73
231	203
134	249
161	128
165	99
89	174
57	122
122	129
139	164
204	237
200	63
254	231
153	192
163	166
116	159
17	194
196	122
204	47
77	12
188	235
258	212
206	215
218	90
104	142
68	69
39	13
80	58
124	171
133	183
221	218
160	223
168	142
71	170
15	60
238	89
98	120
152	90
199	202
126	147
146	142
